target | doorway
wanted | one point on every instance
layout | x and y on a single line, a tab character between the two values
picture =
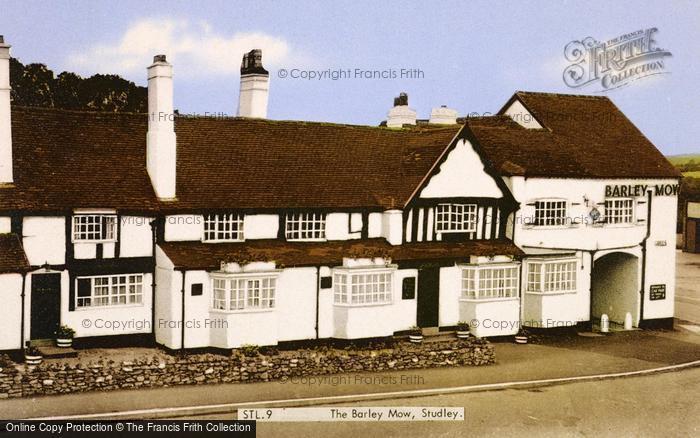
46	305
615	287
428	297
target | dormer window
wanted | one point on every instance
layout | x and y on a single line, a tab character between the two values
455	218
94	228
305	226
223	227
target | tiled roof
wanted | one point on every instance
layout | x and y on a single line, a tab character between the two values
69	159
252	163
208	256
12	256
583	137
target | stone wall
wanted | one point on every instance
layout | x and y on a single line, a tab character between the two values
195	369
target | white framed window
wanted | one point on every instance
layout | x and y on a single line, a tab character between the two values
363	287
619	211
490	282
112	290
94	228
550	212
244	293
305	226
223	227
551	276
455	218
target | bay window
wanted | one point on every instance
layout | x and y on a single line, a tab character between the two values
551	276
243	293
358	287
489	282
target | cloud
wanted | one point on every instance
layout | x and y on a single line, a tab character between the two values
195	49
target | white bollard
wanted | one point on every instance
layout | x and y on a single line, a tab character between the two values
604	323
628	321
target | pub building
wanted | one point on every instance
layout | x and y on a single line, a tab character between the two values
195	232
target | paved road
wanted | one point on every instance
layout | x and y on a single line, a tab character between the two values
662	405
688	286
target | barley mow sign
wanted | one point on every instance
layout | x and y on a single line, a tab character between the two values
616	62
637	190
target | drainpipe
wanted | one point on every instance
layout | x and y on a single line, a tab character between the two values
644	260
154	238
318	294
184	274
21	331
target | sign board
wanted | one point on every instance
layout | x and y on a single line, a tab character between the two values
657	292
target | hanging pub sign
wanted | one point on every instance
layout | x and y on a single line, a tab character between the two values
657	292
637	190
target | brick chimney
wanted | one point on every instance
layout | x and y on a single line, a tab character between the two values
5	118
255	86
161	142
401	114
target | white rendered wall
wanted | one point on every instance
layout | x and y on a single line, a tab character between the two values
184	227
522	116
136	239
5	225
11	321
450	292
261	226
462	174
44	240
338	227
167	304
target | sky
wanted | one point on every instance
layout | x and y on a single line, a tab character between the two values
471	56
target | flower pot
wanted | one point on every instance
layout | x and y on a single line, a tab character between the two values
462	334
520	339
33	360
416	339
64	343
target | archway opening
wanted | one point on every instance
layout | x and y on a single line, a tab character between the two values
615	288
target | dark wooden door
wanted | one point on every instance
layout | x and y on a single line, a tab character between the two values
428	297
46	305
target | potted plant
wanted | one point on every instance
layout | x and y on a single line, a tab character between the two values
64	336
32	356
462	329
415	334
521	337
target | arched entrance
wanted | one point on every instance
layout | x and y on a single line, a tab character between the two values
615	287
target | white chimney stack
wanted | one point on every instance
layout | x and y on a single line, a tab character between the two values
255	86
5	118
161	142
401	114
443	116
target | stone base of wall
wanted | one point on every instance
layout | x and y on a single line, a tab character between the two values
198	369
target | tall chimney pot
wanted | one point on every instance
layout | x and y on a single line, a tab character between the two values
401	114
5	115
255	86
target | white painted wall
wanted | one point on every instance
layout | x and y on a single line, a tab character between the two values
462	174
136	239
5	225
44	240
338	226
261	226
375	225
184	227
168	301
522	116
10	323
392	226
450	292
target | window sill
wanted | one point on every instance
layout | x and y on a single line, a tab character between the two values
107	307
94	241
360	305
544	294
242	311
223	241
488	300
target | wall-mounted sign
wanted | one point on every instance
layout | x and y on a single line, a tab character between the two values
637	190
660	243
657	292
